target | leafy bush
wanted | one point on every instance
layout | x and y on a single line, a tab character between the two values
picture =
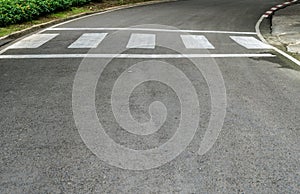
17	11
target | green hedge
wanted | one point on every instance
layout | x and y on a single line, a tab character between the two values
17	11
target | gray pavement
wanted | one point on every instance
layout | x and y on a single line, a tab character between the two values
66	128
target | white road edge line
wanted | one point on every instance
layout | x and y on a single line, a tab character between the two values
274	48
149	30
109	10
124	56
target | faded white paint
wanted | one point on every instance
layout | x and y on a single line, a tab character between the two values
33	41
250	42
196	42
88	40
150	30
138	56
141	41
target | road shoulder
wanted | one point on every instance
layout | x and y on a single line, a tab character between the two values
282	30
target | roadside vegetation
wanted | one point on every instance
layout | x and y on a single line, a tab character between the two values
17	11
17	15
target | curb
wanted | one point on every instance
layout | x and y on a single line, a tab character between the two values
9	38
259	34
273	9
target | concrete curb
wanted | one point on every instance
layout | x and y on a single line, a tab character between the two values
273	9
259	34
8	38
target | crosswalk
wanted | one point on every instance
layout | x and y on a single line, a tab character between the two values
136	40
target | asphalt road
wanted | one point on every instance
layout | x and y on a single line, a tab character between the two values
227	120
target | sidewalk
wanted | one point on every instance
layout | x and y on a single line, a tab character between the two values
286	29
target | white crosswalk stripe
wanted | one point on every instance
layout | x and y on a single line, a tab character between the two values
250	42
146	41
196	42
33	41
88	40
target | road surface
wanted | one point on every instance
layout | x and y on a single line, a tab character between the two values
177	97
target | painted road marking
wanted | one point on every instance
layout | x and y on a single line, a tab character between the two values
250	42
196	42
88	40
33	41
138	56
136	40
150	30
141	41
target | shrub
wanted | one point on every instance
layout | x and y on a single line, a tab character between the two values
17	11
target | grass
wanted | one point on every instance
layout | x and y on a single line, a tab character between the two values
89	8
297	56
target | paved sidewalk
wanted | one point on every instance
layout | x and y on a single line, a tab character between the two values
286	28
